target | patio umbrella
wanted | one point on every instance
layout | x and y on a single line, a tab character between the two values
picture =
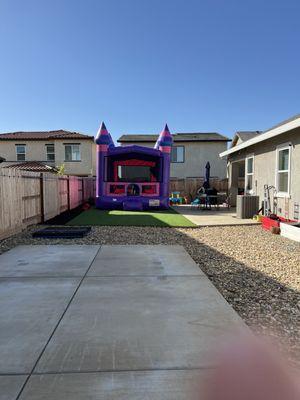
207	175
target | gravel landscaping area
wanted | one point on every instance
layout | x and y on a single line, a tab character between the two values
257	273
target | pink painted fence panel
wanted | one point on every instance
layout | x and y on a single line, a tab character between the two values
28	198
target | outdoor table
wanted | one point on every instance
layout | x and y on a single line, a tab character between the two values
209	201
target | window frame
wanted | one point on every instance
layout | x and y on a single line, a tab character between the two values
47	152
178	162
73	144
284	146
247	174
17	154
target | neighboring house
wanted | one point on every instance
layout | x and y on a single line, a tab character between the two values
55	148
190	152
273	158
243	136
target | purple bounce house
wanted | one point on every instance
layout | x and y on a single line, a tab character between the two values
134	177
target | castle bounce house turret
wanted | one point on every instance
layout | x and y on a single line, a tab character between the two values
134	177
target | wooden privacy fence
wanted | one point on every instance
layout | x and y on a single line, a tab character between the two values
188	186
28	198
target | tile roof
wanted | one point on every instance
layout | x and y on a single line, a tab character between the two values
44	135
34	166
178	137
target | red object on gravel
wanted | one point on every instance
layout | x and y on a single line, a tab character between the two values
268	223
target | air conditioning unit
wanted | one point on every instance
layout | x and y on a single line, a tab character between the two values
246	206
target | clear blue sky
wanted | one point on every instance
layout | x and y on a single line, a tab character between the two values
203	65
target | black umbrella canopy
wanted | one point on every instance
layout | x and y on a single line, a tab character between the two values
207	175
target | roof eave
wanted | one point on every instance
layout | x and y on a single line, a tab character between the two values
203	140
175	140
46	139
263	136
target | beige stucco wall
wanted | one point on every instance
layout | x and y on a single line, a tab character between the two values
265	168
84	167
36	151
196	156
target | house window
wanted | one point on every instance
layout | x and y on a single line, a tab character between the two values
249	168
283	170
50	153
21	152
72	152
177	154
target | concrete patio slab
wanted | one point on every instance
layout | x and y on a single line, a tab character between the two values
150	385
144	260
221	217
29	308
146	331
10	386
128	323
47	260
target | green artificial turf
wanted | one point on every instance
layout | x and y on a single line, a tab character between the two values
97	217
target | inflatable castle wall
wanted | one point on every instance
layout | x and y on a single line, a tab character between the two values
132	177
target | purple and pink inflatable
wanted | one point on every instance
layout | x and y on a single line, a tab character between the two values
132	177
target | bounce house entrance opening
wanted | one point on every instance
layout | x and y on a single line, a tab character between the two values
133	168
134	174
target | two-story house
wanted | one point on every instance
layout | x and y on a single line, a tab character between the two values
190	152
77	152
73	150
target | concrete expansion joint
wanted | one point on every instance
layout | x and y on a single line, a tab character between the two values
105	371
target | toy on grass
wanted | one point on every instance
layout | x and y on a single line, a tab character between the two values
132	177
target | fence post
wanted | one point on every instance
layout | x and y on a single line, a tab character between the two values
68	190
42	197
83	194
